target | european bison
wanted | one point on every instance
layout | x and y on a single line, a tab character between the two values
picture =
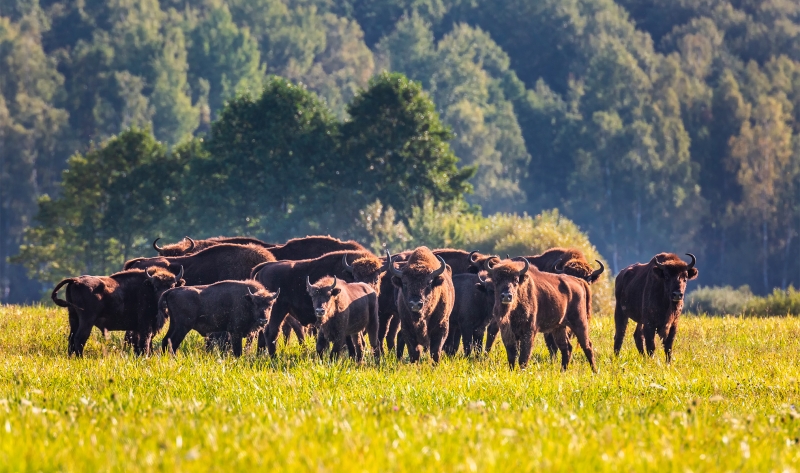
652	296
188	246
424	301
218	263
344	310
123	301
527	301
290	278
240	308
471	314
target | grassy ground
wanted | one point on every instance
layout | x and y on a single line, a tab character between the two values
730	401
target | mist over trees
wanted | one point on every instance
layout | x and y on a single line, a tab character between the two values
655	125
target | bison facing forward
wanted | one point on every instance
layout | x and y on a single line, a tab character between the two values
652	296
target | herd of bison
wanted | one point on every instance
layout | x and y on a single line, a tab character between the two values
228	289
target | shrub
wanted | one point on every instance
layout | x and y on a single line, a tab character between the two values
718	300
780	302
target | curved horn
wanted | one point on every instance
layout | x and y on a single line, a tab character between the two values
334	284
308	284
347	267
596	273
277	293
488	264
250	291
481	280
508	256
156	247
659	264
439	271
694	260
147	272
472	257
180	275
527	265
191	248
561	262
390	266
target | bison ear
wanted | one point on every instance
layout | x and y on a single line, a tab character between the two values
522	278
181	283
658	272
335	292
398	283
692	273
438	280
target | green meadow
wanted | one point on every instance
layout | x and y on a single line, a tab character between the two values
729	402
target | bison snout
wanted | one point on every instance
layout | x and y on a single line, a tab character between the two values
677	296
415	305
261	322
320	312
506	298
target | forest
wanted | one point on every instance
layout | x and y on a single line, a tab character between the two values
648	125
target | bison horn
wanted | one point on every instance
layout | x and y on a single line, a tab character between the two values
308	284
439	271
147	272
660	265
191	242
472	257
508	256
333	286
559	266
694	260
390	266
596	274
180	275
347	267
525	269
156	247
250	291
277	293
481	280
488	264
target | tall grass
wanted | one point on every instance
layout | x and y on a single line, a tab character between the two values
727	300
727	403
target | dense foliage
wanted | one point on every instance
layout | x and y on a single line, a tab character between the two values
653	124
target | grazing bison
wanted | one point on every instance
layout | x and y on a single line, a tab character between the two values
290	278
123	301
218	263
188	246
652	296
344	310
240	308
424	301
312	247
471	314
527	301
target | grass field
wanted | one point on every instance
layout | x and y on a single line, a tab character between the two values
729	402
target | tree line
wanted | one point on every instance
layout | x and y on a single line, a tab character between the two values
653	124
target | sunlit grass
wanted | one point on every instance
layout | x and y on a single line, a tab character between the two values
727	403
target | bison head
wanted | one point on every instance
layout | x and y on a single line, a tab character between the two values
324	296
162	279
477	262
422	273
262	301
674	273
579	269
507	276
366	269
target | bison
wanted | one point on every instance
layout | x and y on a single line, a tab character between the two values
123	301
472	312
290	278
188	246
527	301
652	296
240	308
425	300
344	310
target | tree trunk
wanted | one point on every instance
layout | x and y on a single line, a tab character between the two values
765	253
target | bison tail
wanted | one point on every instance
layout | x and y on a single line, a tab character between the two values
163	310
588	301
54	295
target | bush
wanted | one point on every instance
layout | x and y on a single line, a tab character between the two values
718	300
780	302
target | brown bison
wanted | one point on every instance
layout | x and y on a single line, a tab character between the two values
652	296
290	278
344	310
218	263
189	246
424	301
471	314
528	301
240	308
123	301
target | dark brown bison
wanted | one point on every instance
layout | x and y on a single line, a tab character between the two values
240	308
188	246
123	301
290	278
344	310
528	301
218	263
312	247
652	296
472	312
424	301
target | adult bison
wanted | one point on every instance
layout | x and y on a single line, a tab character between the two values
218	263
344	310
425	300
290	278
472	312
652	296
123	301
528	301
188	246
240	308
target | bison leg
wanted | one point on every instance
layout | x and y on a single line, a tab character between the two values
526	347
322	344
401	344
477	340
650	339
450	346
552	346
269	337
373	327
392	337
512	345
81	336
621	323
561	339
582	334
669	340
236	344
437	340
74	323
638	338
491	334
290	324
358	342
466	336
173	341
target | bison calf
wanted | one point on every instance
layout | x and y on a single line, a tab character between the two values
344	310
240	308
